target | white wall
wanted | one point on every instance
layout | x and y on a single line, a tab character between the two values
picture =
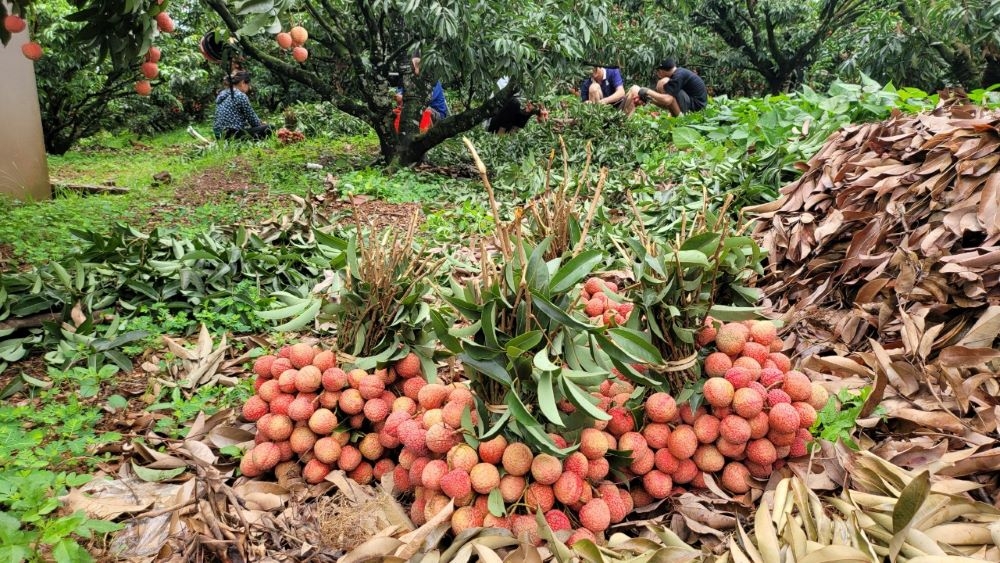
23	168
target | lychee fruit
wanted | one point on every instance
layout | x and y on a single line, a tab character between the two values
761	452
351	402
581	534
708	458
661	407
706	428
150	70
664	461
164	23
568	488
512	488
491	451
299	35
517	459
807	414
657	484
747	402
718	392
32	50
302	408
485	477
334	379
736	478
350	458
734	429
327	450
797	385
278	427
262	365
284	40
731	338
254	408
440	438
409	366
315	471
656	435
432	396
265	456
777	396
738	376
539	496
763	332
370	447
301	355
781	361
686	472
557	520
717	364
456	483
783	417
597	469
14	24
462	456
819	396
593	444
302	439
376	410
280	366
682	442
595	515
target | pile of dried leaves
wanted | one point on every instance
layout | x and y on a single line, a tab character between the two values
886	256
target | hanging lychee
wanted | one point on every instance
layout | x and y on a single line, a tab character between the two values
300	54
153	55
143	88
150	70
14	24
32	50
164	23
284	40
299	35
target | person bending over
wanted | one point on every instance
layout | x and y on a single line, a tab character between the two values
604	86
515	114
234	118
677	89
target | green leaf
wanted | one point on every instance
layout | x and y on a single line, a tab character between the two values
541	361
579	267
495	504
547	399
583	400
304	318
728	313
156	475
634	343
537	271
117	402
497	427
555	313
490	368
441	331
523	343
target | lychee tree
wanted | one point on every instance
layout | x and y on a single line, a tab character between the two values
359	51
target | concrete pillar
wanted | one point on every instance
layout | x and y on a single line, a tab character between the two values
23	169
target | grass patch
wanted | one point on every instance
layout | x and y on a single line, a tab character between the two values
206	187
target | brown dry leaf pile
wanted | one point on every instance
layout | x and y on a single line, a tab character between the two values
890	217
885	256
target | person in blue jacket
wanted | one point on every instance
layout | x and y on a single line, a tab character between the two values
436	103
234	117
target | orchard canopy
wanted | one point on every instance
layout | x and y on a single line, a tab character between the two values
358	52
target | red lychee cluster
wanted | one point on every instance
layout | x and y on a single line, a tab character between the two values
287	137
602	304
16	24
294	39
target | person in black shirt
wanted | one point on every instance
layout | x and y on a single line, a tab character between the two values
677	89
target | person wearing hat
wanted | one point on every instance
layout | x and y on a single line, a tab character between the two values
234	118
604	86
677	89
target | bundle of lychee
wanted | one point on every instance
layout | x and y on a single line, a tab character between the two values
394	421
288	137
602	304
757	412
